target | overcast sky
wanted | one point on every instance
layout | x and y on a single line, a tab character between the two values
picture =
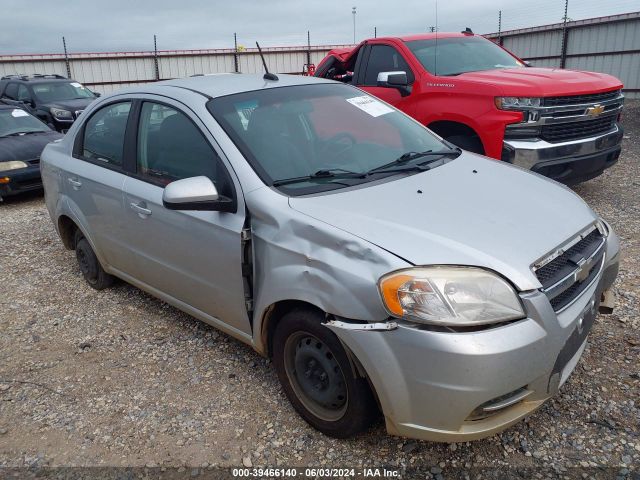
36	26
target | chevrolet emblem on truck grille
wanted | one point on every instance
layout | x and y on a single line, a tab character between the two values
595	110
582	272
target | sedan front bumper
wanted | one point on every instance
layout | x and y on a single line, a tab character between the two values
464	385
22	180
568	162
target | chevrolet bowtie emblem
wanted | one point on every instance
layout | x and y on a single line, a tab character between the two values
595	110
584	267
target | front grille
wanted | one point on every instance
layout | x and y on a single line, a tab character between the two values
566	297
574	130
579	99
559	276
561	266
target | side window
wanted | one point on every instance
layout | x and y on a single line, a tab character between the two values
384	58
11	91
23	94
171	147
104	134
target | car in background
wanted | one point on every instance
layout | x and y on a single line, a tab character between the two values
54	99
375	263
22	139
561	123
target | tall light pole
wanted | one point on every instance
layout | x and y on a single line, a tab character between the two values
353	10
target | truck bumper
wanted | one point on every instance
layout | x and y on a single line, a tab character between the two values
567	162
13	182
454	386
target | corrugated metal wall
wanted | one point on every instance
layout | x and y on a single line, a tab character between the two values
105	72
606	44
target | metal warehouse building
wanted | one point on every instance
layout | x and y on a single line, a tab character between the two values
604	44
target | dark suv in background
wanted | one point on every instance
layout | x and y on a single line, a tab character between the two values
54	99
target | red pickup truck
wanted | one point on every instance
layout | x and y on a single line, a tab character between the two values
560	123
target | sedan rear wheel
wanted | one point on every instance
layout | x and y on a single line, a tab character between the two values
89	264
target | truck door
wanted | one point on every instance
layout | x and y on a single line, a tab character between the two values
379	58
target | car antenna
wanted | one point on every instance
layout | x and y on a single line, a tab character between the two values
435	60
267	75
467	31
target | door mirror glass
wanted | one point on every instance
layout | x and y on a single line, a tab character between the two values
195	193
392	79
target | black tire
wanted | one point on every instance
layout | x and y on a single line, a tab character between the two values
466	142
90	267
340	404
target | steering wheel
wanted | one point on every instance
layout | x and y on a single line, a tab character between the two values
333	146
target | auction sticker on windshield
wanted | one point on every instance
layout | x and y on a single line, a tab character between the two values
19	113
370	105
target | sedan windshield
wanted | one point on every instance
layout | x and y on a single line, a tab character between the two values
61	91
311	138
14	121
457	55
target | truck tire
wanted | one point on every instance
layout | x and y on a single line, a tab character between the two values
89	264
317	376
466	142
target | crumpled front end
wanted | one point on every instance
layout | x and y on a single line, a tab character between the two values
463	384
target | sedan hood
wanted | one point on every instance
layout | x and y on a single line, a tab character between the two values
26	147
543	82
70	105
470	211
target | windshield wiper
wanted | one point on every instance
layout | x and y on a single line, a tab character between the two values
409	156
330	173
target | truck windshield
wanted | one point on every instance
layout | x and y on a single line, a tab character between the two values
457	55
309	138
60	91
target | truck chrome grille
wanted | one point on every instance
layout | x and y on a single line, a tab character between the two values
561	132
578	99
571	270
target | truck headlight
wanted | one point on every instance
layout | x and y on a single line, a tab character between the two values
61	114
516	103
450	295
12	165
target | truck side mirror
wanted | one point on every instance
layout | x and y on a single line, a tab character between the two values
396	80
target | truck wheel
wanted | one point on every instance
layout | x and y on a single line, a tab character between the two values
465	142
318	378
90	267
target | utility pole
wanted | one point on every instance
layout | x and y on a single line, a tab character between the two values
565	35
499	27
308	49
353	11
235	52
66	57
155	57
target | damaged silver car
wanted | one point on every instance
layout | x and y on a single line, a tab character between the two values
381	268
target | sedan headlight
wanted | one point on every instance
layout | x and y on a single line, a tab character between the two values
454	296
516	103
12	165
61	114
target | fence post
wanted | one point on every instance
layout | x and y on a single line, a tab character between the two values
565	36
66	57
375	32
155	57
235	52
308	49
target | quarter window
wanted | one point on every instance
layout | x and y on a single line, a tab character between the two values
104	134
171	147
384	58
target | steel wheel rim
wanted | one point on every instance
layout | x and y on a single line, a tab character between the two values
315	376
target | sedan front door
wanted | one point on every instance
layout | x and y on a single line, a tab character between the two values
194	257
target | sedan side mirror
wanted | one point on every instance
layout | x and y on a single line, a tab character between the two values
196	193
395	80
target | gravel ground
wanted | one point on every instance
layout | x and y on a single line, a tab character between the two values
118	378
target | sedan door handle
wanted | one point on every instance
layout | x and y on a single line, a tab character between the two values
76	184
140	208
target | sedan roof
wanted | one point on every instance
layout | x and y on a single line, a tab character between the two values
222	84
